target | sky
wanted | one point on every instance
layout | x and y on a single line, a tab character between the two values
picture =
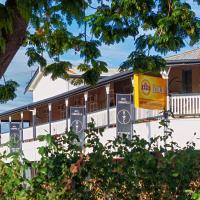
19	71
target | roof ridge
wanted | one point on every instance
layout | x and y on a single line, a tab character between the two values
185	52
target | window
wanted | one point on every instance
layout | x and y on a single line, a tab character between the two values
92	103
62	111
187	81
78	101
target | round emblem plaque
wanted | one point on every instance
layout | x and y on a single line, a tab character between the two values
123	116
77	125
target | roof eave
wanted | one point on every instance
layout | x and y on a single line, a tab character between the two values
30	84
182	62
76	91
38	74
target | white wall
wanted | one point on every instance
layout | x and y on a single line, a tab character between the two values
184	130
30	150
46	88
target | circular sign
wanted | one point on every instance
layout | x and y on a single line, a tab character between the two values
145	87
77	125
124	116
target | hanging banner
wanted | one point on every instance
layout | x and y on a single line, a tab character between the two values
124	115
15	136
77	121
150	92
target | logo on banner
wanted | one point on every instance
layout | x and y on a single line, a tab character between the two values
78	126
15	136
145	87
77	120
123	115
150	92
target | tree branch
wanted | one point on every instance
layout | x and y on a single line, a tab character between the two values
15	39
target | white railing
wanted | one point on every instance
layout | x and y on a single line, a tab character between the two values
28	133
5	137
42	129
100	118
185	104
113	116
58	127
141	113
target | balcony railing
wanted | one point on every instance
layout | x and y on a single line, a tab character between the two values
141	114
28	133
185	104
58	127
100	118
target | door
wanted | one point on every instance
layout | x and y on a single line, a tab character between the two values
187	81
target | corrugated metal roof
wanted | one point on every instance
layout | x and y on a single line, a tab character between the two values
73	72
192	56
76	91
187	55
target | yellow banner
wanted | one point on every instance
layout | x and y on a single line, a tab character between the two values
150	92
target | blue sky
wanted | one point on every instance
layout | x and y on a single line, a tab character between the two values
20	72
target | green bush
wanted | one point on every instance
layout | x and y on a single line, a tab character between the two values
120	169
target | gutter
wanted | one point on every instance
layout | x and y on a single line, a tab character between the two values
183	62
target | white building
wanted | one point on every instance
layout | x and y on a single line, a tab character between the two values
49	112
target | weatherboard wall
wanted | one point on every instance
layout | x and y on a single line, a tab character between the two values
46	88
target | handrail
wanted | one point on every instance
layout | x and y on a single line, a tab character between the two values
185	104
184	94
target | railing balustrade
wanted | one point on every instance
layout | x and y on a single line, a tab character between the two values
180	104
5	138
58	127
185	104
100	118
141	113
113	115
42	129
28	133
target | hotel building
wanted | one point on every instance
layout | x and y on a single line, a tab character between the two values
50	110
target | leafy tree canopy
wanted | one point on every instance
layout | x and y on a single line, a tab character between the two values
45	28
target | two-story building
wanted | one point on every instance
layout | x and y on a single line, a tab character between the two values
50	110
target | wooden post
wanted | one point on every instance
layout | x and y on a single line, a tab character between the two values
34	123
22	127
66	112
86	99
50	116
108	103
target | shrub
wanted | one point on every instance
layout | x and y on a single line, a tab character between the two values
120	169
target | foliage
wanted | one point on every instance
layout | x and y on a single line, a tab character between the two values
194	190
161	25
12	179
52	35
7	91
119	169
61	70
194	195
